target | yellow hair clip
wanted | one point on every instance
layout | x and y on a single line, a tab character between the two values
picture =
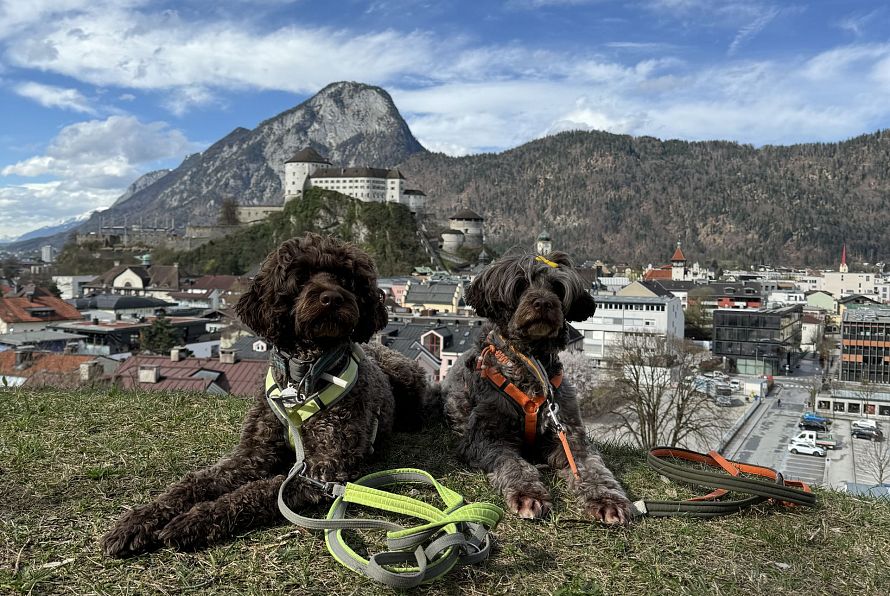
547	261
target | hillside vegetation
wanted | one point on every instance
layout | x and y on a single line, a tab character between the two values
387	231
71	461
624	198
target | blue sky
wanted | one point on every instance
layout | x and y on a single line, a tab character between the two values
96	92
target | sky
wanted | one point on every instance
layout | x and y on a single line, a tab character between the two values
94	93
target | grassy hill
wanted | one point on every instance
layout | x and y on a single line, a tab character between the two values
71	460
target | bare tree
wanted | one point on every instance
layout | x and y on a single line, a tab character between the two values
813	386
877	461
595	397
865	392
654	376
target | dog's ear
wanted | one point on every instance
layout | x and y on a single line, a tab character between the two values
582	307
371	299
478	297
266	306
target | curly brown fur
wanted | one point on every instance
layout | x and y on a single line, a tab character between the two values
529	303
312	294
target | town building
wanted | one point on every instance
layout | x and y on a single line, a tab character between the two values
762	341
678	269
616	316
440	296
434	343
543	244
466	229
42	341
137	280
33	309
107	338
39	369
226	375
71	286
865	346
116	307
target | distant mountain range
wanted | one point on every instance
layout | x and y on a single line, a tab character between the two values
599	195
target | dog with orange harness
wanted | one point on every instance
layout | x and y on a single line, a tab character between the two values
507	396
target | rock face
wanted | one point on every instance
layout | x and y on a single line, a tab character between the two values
143	181
349	123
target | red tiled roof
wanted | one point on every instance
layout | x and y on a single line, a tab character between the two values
42	363
678	255
241	378
664	272
14	309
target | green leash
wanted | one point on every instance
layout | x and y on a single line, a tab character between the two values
454	535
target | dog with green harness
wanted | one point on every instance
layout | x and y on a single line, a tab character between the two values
329	398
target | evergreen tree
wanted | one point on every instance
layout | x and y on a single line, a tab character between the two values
159	337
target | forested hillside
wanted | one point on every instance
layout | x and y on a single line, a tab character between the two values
386	230
630	199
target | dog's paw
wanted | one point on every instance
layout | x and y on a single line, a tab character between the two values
190	530
529	504
610	507
134	533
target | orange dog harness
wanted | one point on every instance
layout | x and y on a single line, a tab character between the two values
529	404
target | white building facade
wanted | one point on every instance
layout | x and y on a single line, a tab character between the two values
618	315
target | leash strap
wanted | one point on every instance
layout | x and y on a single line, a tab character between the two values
667	462
454	535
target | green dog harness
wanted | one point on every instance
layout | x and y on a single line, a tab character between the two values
454	535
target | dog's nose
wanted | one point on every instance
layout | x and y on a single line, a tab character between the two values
542	303
330	297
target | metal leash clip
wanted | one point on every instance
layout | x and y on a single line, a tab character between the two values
291	396
328	489
553	414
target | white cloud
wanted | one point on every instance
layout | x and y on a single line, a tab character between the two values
90	164
752	29
55	97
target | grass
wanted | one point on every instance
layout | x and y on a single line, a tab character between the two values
71	460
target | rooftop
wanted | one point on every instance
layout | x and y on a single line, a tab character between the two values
23	338
307	155
37	307
467	214
194	374
868	315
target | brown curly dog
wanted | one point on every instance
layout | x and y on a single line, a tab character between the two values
313	296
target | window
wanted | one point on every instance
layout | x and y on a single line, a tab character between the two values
839	406
433	343
823	404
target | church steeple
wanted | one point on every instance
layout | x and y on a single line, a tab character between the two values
843	268
678	264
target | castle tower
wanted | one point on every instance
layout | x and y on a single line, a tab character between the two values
471	225
297	171
395	186
678	265
543	246
843	268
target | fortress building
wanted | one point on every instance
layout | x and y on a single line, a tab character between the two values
466	229
308	169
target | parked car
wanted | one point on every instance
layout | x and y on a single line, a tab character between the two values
865	423
814	417
871	434
823	440
815	426
735	384
806	448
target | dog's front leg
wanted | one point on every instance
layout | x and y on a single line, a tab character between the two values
250	506
514	477
601	493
